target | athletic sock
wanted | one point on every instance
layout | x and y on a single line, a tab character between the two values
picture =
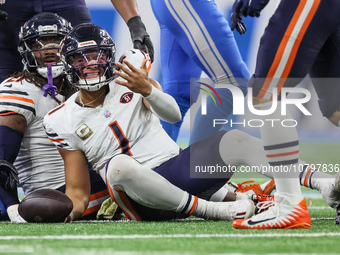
281	146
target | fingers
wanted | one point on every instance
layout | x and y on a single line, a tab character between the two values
149	46
69	218
122	75
137	44
130	68
241	27
236	22
145	67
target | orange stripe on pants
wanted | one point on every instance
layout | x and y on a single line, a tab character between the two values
292	54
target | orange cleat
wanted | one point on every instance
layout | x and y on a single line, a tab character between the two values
268	187
280	215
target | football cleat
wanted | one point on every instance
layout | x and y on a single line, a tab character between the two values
242	209
268	187
280	215
329	189
337	216
262	202
251	191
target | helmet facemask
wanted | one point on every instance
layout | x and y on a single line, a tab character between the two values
39	43
90	68
44	51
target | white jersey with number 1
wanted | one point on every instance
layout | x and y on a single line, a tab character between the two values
122	124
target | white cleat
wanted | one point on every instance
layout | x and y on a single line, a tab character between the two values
283	214
329	189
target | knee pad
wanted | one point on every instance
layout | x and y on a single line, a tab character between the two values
119	169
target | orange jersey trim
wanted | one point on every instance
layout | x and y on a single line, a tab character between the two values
18	98
92	209
7	113
57	140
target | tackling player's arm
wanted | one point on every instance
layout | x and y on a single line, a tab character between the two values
77	179
137	80
12	129
129	11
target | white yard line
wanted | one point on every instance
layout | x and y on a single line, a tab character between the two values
90	237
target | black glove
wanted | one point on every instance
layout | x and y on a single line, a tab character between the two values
255	7
140	38
236	18
11	174
3	15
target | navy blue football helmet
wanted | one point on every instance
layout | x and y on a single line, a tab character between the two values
40	40
88	53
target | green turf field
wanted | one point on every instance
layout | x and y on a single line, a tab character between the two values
191	236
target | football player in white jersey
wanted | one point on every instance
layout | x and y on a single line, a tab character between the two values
24	99
112	123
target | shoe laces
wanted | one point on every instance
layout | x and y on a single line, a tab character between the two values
243	188
265	202
263	198
272	205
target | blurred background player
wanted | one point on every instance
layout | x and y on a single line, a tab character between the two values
196	37
24	100
75	11
302	38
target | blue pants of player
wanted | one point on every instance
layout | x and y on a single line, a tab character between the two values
196	37
19	11
315	51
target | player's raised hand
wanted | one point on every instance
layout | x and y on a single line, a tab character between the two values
137	80
236	18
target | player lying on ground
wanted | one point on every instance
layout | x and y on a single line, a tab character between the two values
24	100
112	123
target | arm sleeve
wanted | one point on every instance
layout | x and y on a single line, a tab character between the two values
164	106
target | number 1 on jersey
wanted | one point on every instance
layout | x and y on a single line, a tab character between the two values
123	141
